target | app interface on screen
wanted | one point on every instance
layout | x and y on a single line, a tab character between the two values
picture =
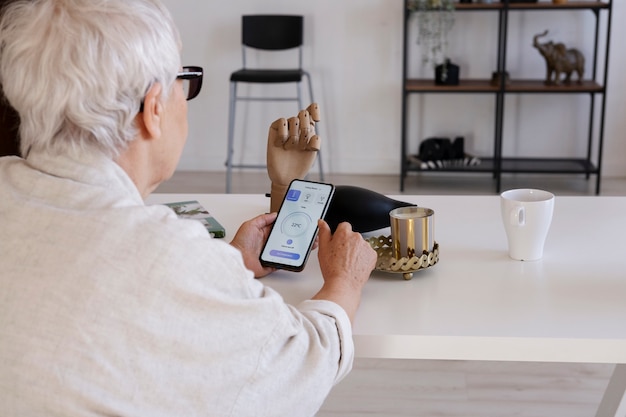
296	223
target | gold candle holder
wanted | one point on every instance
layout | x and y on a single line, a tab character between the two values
405	265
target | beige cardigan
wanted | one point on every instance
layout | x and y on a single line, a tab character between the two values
110	307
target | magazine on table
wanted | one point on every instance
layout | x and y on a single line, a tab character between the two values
194	210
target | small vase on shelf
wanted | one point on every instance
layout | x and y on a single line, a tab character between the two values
447	73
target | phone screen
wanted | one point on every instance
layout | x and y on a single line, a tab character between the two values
293	233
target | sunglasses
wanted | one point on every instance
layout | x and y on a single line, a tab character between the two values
192	82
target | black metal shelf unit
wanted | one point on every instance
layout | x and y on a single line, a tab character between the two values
499	164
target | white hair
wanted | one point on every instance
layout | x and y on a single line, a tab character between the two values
76	71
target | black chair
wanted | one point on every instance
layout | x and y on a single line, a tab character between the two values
267	33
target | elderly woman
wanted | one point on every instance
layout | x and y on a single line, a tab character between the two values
112	307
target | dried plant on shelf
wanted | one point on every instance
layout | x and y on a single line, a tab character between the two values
435	18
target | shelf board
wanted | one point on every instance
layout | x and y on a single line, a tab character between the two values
548	165
521	165
478	6
515	86
548	5
542	5
465	86
539	86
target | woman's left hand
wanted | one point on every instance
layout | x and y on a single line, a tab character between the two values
250	239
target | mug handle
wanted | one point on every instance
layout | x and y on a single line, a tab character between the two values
518	216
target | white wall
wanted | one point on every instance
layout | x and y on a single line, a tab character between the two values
354	53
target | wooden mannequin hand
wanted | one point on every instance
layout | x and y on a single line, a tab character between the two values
292	146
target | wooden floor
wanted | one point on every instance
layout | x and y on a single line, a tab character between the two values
388	388
468	388
250	182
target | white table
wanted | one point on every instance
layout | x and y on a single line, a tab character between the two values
477	303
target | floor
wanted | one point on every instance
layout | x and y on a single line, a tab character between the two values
388	388
468	389
250	182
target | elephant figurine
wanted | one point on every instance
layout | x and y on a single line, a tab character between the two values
560	60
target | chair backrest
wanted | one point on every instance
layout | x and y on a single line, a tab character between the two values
272	32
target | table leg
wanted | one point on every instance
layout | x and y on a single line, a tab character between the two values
614	394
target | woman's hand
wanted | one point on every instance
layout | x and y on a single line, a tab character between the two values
250	239
346	261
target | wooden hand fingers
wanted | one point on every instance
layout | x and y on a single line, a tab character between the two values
294	133
297	132
314	111
279	132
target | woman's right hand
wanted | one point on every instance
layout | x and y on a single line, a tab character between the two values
346	261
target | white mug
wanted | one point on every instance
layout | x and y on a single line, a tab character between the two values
526	214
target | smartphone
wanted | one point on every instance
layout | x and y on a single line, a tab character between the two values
293	233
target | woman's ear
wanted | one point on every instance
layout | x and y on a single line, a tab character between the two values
153	111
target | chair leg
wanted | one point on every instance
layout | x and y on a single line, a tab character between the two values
299	96
231	135
301	106
319	153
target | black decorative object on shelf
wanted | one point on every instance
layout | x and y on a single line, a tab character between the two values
447	74
496	78
433	149
364	209
438	153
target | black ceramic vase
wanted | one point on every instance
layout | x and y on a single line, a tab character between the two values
364	209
